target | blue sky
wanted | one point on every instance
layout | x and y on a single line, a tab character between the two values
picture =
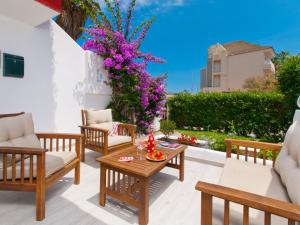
184	29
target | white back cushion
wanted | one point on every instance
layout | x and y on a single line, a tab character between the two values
288	162
98	116
18	131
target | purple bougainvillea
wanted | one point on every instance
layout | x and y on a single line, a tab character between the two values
136	94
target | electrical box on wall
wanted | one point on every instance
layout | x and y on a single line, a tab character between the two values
13	66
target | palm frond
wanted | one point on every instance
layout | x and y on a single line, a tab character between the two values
94	11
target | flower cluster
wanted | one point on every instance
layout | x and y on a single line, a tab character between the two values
145	95
185	139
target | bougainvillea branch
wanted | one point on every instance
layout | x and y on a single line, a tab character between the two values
137	96
129	17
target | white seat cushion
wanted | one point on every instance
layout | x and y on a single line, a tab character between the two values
98	116
253	178
17	131
117	140
54	162
288	162
106	126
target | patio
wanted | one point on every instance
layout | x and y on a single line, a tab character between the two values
171	201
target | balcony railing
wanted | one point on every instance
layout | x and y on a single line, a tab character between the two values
269	67
53	4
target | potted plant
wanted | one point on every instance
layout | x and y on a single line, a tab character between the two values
167	127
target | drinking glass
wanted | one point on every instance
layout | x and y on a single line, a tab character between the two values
140	146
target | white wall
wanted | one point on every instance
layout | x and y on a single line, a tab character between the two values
244	66
60	78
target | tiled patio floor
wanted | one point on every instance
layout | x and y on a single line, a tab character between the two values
171	202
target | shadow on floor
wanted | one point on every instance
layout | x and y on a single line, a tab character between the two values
18	208
90	158
158	184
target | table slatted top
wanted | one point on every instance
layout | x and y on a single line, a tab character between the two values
144	167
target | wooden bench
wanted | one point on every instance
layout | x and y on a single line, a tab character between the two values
273	207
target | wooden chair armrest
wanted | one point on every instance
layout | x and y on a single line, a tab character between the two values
127	129
21	150
94	129
128	126
59	135
63	141
266	204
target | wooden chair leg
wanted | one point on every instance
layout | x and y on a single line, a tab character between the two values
40	188
40	205
206	209
77	174
82	153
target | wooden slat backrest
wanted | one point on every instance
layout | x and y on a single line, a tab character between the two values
262	148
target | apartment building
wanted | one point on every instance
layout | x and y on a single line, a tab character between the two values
230	65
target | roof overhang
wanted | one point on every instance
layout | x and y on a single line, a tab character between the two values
52	4
30	12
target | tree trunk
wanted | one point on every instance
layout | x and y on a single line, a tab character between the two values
71	19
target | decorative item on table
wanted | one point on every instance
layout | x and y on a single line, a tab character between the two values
188	140
126	159
169	145
156	156
151	142
141	144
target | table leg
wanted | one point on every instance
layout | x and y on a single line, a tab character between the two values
144	202
102	195
181	167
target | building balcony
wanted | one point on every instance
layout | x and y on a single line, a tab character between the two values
30	12
269	67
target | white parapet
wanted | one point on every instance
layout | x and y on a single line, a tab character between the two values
59	80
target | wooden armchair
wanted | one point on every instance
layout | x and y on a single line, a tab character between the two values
266	202
42	160
96	127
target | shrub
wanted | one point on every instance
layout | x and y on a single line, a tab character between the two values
265	83
167	127
289	81
263	114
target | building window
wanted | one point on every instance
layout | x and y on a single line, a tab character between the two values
217	81
217	66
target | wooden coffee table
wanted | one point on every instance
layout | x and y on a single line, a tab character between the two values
129	181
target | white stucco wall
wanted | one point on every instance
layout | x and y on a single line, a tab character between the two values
244	66
60	77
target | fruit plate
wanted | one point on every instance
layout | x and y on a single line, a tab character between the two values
160	159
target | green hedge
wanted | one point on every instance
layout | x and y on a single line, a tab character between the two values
263	114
